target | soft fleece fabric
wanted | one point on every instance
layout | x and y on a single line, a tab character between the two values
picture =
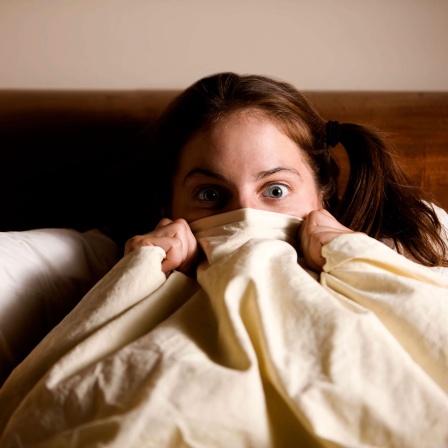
258	352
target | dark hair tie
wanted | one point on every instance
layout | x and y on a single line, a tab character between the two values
332	133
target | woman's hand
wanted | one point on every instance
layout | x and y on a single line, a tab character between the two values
318	229
175	238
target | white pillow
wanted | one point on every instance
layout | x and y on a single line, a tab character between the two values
43	274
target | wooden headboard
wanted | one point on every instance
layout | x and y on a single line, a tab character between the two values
60	150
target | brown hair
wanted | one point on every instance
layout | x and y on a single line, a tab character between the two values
379	199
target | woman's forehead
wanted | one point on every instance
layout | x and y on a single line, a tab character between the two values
242	130
242	142
292	127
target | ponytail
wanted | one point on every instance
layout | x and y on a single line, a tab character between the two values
381	201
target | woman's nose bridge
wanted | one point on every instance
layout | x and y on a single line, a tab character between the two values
243	199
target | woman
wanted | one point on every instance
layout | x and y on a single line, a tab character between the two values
256	351
230	142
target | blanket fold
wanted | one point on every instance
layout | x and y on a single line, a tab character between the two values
259	352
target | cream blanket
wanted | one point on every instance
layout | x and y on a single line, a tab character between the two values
259	352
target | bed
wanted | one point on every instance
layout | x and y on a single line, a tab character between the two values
68	190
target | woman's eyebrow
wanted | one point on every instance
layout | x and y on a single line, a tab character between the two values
260	175
204	172
263	174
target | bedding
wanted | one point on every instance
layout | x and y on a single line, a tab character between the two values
258	352
43	274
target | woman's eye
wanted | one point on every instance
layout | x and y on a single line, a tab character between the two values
275	191
208	195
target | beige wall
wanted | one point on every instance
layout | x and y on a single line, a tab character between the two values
315	44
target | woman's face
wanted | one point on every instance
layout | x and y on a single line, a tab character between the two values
243	162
